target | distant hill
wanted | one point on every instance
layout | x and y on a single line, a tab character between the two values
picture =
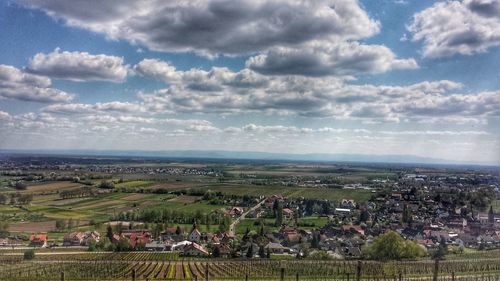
253	155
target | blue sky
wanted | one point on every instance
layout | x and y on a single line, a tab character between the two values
370	77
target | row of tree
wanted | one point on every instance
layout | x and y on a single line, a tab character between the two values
84	191
15	198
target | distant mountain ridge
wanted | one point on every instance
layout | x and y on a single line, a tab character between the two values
252	155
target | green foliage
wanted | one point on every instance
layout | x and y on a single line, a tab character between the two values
29	254
391	246
482	198
441	251
319	255
106	185
216	252
123	245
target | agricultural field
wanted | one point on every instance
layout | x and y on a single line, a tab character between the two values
158	266
305	223
335	194
496	206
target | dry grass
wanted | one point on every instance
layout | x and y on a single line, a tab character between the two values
53	186
134	197
43	226
185	199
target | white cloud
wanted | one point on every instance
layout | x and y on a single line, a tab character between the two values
457	27
79	66
80	108
16	84
221	90
240	27
319	59
4	115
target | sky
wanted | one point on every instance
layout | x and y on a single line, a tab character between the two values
388	77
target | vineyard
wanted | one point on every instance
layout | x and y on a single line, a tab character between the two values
125	266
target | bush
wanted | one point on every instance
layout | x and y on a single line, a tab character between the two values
106	185
391	246
20	185
29	254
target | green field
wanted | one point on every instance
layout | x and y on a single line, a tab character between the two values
254	224
496	206
334	194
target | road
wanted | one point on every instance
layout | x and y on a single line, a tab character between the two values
232	227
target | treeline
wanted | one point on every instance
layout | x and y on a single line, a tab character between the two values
15	198
167	216
84	191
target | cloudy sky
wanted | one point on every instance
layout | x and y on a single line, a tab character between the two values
334	76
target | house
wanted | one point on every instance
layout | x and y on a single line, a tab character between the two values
137	239
92	236
195	235
74	239
287	213
236	212
180	246
248	247
135	236
427	243
292	238
352	252
172	233
4	242
128	233
270	200
224	250
38	240
353	229
155	246
195	250
348	203
275	248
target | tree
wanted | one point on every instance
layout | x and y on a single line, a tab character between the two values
364	216
106	185
391	246
250	251
92	245
278	212
20	185
3	199
216	252
262	252
4	233
29	254
60	225
441	251
109	233
70	224
123	245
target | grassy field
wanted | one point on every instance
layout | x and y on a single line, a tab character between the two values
334	194
254	224
134	183
496	206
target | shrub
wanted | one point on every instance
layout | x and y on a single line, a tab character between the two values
29	254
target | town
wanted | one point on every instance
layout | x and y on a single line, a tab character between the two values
430	207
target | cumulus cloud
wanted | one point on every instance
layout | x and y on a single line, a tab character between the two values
200	80
221	90
82	108
4	115
78	66
311	38
240	27
16	84
318	59
457	27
